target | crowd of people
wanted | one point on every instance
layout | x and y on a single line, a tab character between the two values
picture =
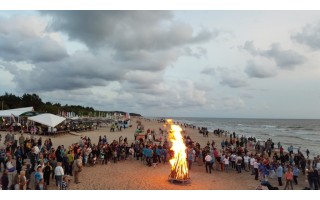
29	159
40	162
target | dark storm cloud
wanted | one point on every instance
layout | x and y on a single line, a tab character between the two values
18	43
82	70
309	35
285	59
120	44
144	60
255	70
126	30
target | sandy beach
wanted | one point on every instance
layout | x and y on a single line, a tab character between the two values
135	175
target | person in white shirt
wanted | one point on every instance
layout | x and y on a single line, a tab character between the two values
36	149
246	162
233	160
226	163
238	163
208	159
252	160
318	165
58	172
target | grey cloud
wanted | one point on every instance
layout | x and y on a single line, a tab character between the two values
150	83
82	70
309	35
233	78
129	48
189	52
233	82
249	46
209	71
127	30
258	71
22	44
285	59
180	95
144	60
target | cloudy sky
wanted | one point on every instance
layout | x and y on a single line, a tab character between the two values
256	64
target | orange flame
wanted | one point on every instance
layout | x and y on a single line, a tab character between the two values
179	167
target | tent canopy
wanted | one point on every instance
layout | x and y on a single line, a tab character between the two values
47	119
16	112
29	114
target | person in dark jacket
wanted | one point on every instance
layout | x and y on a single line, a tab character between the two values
18	164
46	173
5	180
310	175
316	179
58	154
33	159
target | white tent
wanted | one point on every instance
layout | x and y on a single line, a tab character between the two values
47	119
16	112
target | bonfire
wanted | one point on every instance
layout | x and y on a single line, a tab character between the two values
179	167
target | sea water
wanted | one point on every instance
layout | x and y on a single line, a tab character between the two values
303	133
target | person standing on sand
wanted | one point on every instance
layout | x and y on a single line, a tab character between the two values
190	156
22	180
200	159
47	172
295	172
256	167
279	174
4	180
77	168
289	177
238	163
38	176
246	159
226	163
307	152
315	179
59	173
208	159
252	160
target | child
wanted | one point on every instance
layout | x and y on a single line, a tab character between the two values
64	183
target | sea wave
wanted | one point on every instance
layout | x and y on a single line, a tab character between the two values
268	126
312	139
301	128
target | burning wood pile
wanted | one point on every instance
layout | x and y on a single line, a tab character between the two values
179	167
